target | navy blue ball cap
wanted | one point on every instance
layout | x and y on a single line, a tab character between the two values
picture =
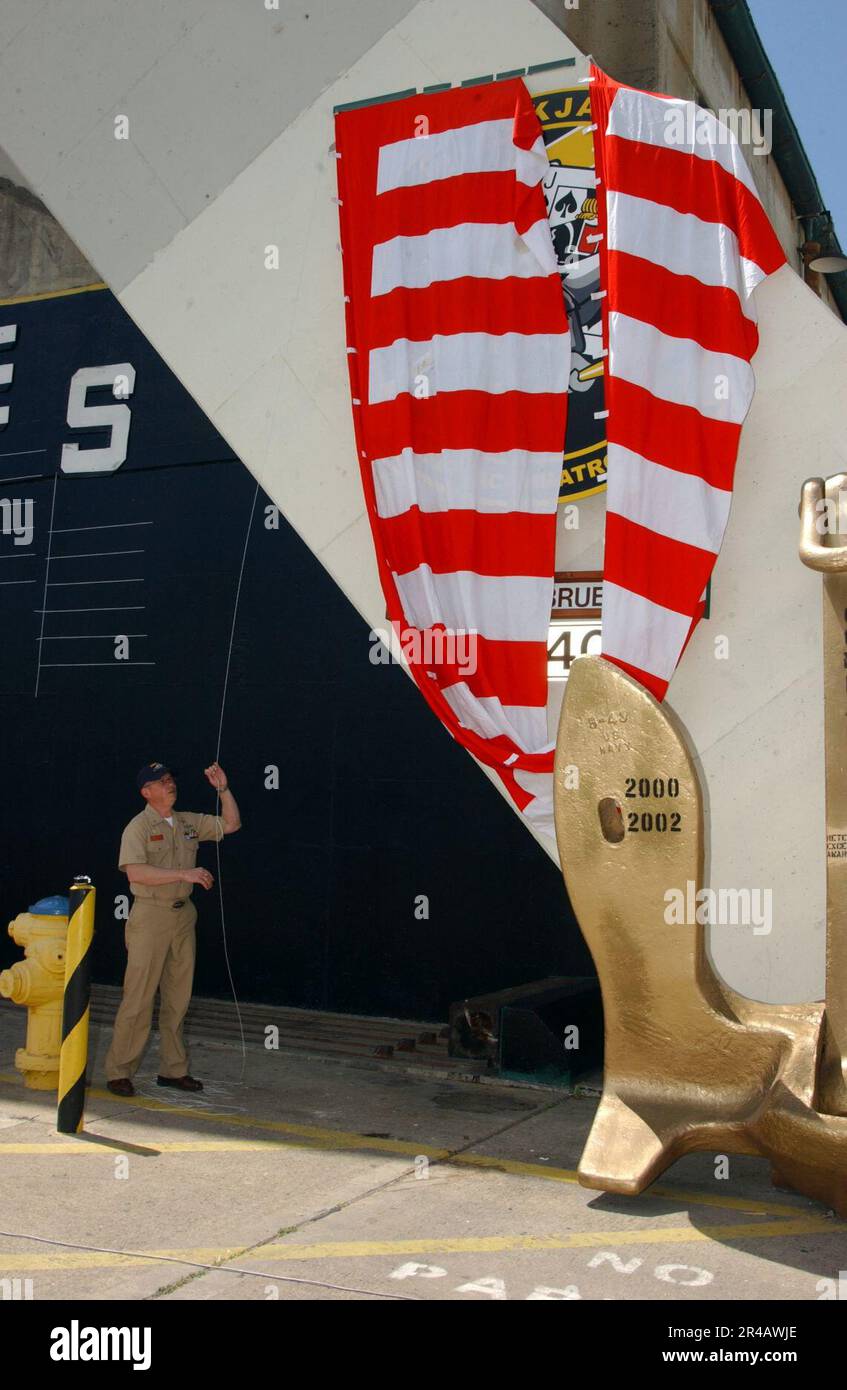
151	772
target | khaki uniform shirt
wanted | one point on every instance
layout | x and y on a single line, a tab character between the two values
148	839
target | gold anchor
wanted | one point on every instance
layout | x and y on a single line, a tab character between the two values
689	1063
821	549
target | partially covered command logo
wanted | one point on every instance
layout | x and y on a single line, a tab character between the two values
572	212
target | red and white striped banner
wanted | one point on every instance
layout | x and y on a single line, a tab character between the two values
457	340
459	355
686	241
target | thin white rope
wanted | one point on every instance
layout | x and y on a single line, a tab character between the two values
217	796
46	584
198	1264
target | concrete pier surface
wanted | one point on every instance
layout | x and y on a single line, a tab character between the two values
297	1177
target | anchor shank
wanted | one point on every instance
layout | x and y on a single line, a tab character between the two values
833	1075
823	548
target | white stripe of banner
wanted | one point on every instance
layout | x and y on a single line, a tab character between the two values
511	608
540	810
525	725
678	505
678	125
679	241
468	480
484	148
641	632
496	363
752	275
485	250
539	239
532	166
717	384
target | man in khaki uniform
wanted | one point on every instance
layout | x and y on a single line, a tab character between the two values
158	854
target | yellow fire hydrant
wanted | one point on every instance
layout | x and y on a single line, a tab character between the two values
38	981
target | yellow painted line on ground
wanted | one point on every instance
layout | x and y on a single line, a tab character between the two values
347	1140
661	1192
573	1240
100	1149
327	1138
468	1160
87	1259
13	1262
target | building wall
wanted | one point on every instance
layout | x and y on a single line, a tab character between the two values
621	38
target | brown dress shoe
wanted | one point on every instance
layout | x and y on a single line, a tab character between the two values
182	1083
121	1087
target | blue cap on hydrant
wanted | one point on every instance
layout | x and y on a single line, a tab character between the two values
54	906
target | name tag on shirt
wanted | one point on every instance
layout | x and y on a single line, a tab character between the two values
157	837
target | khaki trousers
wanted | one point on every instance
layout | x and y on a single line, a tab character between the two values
160	944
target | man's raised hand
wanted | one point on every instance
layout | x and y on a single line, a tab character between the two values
216	775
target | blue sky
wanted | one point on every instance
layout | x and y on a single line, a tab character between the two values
807	46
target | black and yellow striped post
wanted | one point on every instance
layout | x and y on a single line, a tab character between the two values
74	1054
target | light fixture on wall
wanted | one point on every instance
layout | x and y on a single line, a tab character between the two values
821	252
828	265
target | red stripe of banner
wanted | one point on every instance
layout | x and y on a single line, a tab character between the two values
665	571
527	130
494	751
466	420
528	661
513	672
451	110
445	203
467	305
683	181
535	762
680	305
520	797
677	436
506	543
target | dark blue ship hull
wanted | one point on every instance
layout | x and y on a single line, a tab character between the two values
232	629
